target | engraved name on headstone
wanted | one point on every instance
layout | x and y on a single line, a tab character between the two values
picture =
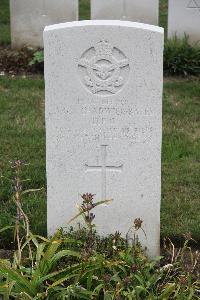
184	19
104	123
29	17
144	11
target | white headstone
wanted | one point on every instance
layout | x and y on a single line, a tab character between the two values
104	123
29	17
184	19
144	11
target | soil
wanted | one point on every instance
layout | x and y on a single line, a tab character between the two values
6	254
17	62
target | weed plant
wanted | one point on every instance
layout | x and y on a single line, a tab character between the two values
181	58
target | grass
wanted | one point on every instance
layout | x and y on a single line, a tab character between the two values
181	158
84	9
4	22
22	134
84	14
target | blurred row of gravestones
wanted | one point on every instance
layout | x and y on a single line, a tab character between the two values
28	18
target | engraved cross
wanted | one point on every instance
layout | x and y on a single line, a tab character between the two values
103	169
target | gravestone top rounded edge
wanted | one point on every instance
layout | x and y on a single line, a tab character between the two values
130	24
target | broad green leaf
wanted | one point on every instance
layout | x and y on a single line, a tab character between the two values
169	289
20	281
39	253
64	253
98	289
61	280
64	272
140	279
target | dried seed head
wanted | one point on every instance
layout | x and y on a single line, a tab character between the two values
106	278
183	280
117	235
17	164
138	223
134	268
188	236
90	206
92	216
127	281
88	198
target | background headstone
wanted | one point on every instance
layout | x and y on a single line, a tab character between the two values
29	17
104	123
184	18
144	11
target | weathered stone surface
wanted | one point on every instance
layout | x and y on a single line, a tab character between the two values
144	11
184	19
29	17
104	123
